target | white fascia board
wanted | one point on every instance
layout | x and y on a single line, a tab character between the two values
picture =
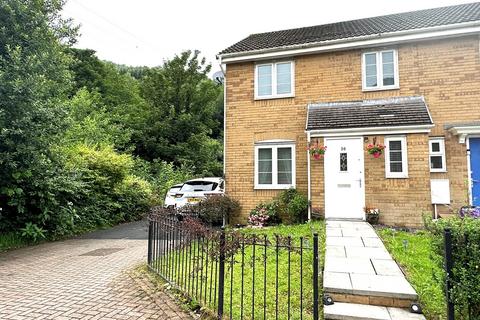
370	131
356	42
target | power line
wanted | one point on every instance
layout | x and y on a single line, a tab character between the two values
120	28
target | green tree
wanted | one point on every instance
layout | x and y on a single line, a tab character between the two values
116	92
35	82
183	120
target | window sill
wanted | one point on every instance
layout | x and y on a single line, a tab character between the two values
380	88
438	171
397	177
273	187
274	97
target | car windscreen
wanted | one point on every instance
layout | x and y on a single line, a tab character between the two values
199	186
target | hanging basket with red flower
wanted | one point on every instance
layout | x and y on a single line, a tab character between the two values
375	149
317	151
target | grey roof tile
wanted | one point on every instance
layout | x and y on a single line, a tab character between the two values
362	27
390	112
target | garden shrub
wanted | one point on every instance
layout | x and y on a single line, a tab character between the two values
265	213
466	256
292	206
213	209
110	192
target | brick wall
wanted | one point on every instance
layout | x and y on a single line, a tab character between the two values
446	72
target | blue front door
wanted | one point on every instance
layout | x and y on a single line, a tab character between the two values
475	167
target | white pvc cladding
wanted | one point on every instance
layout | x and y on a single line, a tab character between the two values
369	41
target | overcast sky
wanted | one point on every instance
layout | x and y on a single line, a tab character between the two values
146	32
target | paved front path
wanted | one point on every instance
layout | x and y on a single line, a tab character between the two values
81	278
360	270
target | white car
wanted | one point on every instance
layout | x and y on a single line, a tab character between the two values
170	196
195	190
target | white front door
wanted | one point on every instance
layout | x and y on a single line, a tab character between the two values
344	178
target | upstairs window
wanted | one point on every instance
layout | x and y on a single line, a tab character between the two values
274	80
380	70
396	165
274	166
437	155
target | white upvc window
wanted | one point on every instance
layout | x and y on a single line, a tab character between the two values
274	80
274	165
380	70
436	147
396	163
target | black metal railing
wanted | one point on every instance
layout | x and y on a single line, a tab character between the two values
237	275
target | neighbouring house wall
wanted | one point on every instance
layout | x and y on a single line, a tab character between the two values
446	72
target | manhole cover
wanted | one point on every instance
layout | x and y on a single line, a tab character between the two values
101	252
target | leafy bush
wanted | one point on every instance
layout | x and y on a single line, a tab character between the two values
214	209
33	232
264	214
466	257
292	206
109	192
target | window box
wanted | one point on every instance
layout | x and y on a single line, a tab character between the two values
274	80
274	166
380	70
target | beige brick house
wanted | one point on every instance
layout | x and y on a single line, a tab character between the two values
410	81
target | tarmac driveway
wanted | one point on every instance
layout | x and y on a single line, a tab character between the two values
81	278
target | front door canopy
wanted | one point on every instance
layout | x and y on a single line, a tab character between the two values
391	115
462	130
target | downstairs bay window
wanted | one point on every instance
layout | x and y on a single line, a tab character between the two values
274	165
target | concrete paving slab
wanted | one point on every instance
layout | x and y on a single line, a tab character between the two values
367	252
359	232
382	286
335	251
373	242
337	282
353	311
401	314
350	265
345	241
334	232
333	223
386	267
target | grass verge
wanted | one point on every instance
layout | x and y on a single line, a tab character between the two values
12	240
415	254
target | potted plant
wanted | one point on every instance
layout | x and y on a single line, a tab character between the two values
317	151
376	150
372	215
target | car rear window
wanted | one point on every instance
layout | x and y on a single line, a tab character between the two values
175	189
199	186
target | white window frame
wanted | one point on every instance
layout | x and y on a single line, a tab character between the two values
404	173
274	94
274	146
441	142
380	85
